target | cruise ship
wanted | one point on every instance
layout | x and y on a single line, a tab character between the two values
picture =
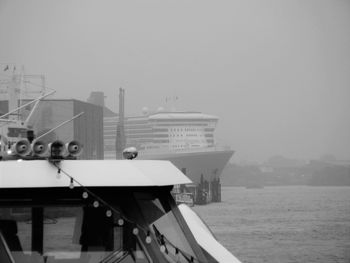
185	138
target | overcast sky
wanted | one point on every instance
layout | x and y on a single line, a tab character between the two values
276	73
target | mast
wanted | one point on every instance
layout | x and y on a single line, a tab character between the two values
120	136
14	91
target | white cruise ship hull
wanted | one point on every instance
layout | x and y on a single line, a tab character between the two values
202	167
206	164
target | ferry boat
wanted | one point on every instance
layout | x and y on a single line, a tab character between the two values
98	211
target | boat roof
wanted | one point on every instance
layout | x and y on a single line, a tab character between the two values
89	173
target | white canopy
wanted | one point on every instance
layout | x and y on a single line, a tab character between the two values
41	173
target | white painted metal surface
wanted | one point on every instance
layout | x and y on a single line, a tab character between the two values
204	237
41	173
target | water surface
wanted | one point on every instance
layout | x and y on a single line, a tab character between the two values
283	224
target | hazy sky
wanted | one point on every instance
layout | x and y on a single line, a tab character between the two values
276	73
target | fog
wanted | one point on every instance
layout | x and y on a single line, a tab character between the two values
276	73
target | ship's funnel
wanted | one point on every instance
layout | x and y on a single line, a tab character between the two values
57	150
74	148
130	153
40	148
21	148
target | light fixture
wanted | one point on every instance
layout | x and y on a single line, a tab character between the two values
135	231
148	238
58	173
108	213
71	184
120	221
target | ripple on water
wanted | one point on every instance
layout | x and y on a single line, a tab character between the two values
283	224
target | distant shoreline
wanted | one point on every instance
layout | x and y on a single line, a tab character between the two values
287	185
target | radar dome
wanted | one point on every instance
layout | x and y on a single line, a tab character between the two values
160	109
145	110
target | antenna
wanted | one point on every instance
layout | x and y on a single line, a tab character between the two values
63	123
25	105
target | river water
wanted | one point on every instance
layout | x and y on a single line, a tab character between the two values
282	224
